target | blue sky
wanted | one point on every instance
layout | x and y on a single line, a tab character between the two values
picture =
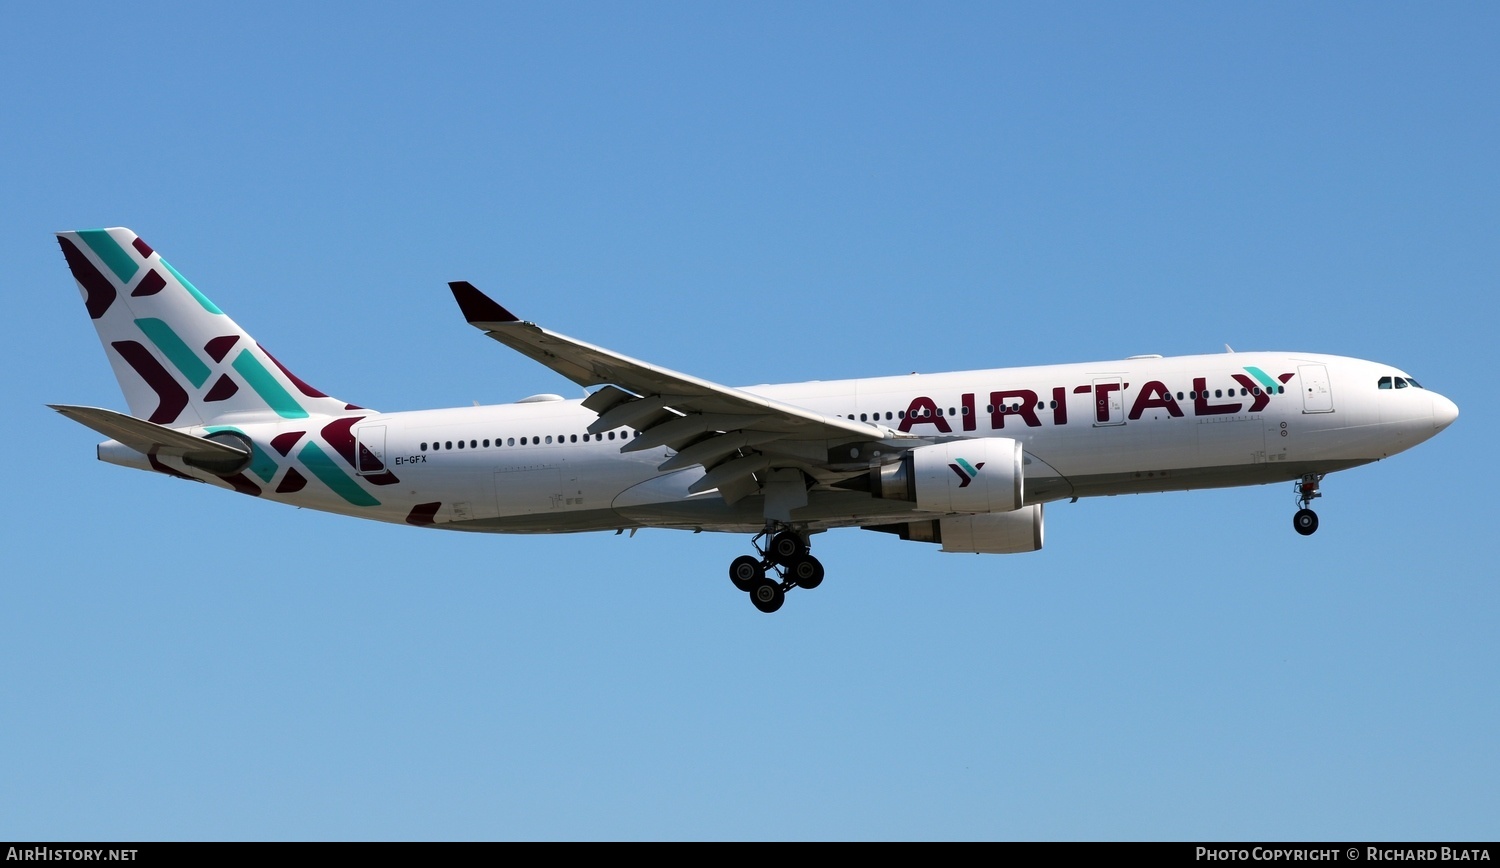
756	193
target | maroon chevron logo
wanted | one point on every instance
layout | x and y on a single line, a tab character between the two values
966	471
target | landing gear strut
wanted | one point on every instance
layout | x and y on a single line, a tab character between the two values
785	554
1306	521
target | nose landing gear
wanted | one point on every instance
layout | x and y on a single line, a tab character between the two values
786	555
1305	521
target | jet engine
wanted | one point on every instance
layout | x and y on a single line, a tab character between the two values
983	475
999	533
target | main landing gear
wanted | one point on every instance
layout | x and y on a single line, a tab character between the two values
1306	521
786	556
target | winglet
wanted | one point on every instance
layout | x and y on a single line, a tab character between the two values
477	306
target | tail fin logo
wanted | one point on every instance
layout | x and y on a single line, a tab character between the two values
966	471
178	358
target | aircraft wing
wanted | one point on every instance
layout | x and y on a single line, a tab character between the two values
732	433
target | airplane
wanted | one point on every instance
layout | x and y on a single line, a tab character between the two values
965	460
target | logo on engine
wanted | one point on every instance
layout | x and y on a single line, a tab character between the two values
966	471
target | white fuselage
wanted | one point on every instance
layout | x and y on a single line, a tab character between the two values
1137	425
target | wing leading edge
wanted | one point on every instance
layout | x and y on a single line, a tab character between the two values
740	438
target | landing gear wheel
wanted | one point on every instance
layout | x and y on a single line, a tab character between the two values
1305	521
766	595
744	571
806	572
786	547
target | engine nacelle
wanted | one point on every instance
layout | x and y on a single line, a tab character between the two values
1002	533
983	475
998	533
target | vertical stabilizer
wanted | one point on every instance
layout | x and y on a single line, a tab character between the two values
179	360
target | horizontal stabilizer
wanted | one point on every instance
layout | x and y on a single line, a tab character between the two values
148	438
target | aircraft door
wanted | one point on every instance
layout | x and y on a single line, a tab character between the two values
1109	402
370	452
1317	389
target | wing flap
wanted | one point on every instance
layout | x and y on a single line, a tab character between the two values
730	472
607	397
681	430
712	449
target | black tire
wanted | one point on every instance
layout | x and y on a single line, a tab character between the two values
1306	522
744	571
767	595
806	571
786	547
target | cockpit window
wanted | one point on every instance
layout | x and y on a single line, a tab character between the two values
1398	383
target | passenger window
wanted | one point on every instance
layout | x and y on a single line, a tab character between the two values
510	441
573	438
424	447
448	445
460	444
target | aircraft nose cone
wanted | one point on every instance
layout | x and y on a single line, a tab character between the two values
1444	412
